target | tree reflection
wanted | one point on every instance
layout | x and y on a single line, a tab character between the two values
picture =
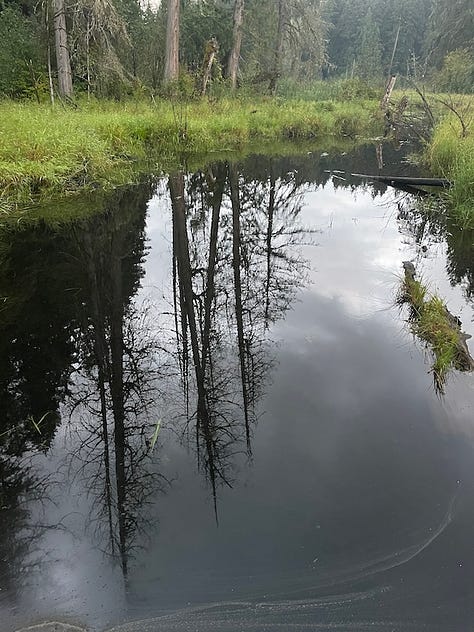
74	341
116	384
427	222
235	272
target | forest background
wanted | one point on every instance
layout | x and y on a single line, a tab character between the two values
128	48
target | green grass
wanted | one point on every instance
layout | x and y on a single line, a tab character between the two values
432	323
61	149
452	156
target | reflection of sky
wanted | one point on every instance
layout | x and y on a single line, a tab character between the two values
350	479
360	481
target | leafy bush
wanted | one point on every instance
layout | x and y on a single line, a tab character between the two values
18	47
457	72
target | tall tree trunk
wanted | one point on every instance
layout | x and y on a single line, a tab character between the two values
280	37
62	51
233	65
172	42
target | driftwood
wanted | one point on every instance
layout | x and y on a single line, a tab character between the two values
399	180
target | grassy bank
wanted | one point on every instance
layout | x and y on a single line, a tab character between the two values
452	156
47	150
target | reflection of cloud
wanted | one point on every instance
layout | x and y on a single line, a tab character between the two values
359	252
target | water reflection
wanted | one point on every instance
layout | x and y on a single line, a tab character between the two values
233	243
91	366
428	223
116	376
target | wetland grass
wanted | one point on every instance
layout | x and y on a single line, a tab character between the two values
45	150
451	154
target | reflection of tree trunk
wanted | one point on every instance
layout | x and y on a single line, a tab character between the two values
235	199
183	339
100	350
176	185
233	65
211	268
271	212
117	393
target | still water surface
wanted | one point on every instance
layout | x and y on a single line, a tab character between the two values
213	416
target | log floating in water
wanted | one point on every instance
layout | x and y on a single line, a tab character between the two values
399	180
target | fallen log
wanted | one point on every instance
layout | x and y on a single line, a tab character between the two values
400	180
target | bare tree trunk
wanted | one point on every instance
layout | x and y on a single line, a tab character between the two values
210	52
282	24
172	42
394	48
233	65
62	50
388	92
50	74
88	60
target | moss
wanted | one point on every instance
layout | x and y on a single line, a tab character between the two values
432	323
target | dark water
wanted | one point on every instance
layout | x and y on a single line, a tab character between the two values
214	418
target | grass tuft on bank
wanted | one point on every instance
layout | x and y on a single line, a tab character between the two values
452	156
45	150
431	321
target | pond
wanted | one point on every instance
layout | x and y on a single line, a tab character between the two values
215	417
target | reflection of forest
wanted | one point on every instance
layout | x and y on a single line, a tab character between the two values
76	344
236	271
427	223
70	336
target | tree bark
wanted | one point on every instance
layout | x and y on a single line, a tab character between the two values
62	51
172	42
210	52
280	37
233	65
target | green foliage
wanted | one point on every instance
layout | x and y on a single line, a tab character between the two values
369	52
451	27
348	19
457	72
200	21
19	53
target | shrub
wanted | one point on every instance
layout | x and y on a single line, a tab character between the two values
17	48
457	72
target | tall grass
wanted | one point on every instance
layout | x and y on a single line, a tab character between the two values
451	155
99	142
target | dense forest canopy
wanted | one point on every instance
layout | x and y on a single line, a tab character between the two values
115	48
